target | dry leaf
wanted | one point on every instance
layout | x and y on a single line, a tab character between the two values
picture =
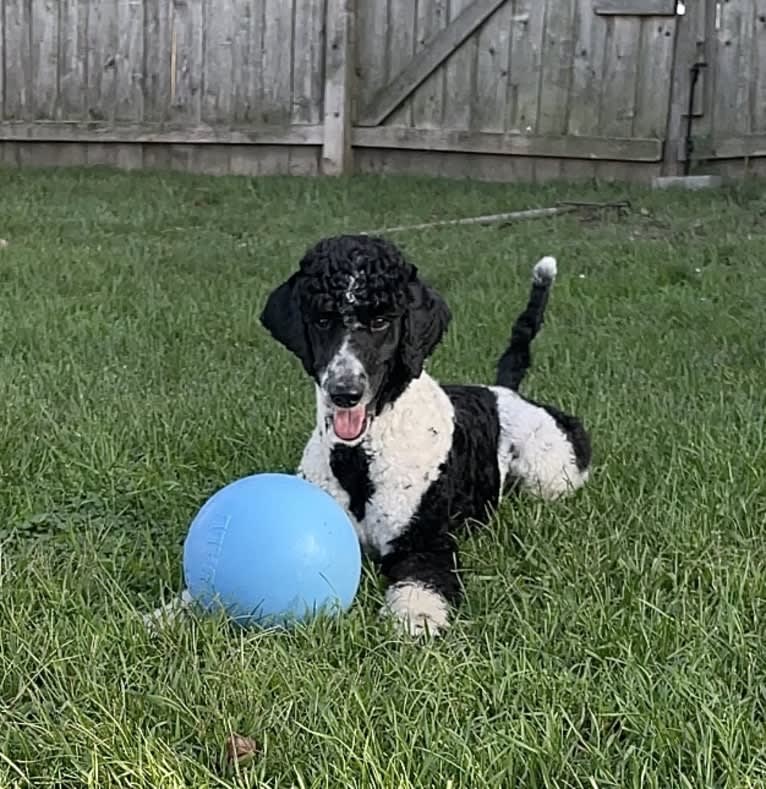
3	243
239	748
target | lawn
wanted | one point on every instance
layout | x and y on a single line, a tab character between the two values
616	639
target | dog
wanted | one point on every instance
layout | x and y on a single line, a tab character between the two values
412	461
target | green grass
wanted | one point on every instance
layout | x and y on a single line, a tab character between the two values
612	640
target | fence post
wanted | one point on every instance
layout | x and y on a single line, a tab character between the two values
339	68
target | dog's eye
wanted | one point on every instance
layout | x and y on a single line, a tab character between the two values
379	324
322	322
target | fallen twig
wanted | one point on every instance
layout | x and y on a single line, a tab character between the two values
489	219
564	207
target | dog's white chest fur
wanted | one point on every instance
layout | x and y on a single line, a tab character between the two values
406	446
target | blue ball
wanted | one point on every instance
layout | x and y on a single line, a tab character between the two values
272	549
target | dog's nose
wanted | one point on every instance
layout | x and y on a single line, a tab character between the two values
346	395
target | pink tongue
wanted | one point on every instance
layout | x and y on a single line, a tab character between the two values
348	423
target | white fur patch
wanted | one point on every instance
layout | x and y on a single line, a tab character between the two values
406	444
417	609
534	448
544	270
344	364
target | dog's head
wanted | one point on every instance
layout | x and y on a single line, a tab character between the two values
362	323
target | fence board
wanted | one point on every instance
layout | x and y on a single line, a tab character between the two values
587	69
247	47
619	80
102	60
371	51
17	80
759	57
556	67
43	39
130	61
154	133
277	61
653	84
401	49
157	55
428	98
186	61
460	77
526	56
336	146
493	44
217	100
561	146
72	59
308	61
730	112
2	66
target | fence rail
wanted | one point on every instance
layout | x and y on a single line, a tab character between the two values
505	89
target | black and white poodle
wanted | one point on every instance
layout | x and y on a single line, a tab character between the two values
410	459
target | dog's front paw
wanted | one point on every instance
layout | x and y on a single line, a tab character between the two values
416	608
167	613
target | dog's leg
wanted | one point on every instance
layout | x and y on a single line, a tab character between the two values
422	588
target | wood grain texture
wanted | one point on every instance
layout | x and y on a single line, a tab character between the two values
493	52
730	112
102	38
730	146
619	76
412	74
247	73
428	98
505	169
2	65
217	99
336	147
43	42
18	61
157	60
276	61
460	77
129	77
187	41
72	60
155	133
457	140
371	50
758	120
655	65
400	32
590	36
308	61
635	7
557	67
526	58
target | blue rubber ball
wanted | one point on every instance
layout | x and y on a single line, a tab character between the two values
272	549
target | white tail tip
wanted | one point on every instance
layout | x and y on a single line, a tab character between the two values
544	270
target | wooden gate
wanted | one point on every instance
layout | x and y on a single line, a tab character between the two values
531	88
726	39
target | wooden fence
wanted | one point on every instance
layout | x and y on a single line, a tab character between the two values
497	89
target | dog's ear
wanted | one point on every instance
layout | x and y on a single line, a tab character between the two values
425	322
281	317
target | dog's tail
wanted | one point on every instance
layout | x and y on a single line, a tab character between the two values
517	358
